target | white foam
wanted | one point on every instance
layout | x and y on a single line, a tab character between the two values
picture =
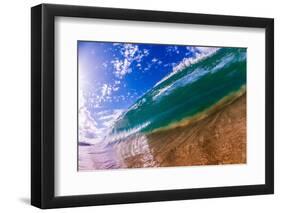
204	52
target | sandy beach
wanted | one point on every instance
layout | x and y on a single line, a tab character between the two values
219	138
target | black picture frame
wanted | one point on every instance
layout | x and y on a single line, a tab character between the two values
43	102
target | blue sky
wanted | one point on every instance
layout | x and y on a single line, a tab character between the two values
112	76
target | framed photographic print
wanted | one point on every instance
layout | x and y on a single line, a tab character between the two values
139	106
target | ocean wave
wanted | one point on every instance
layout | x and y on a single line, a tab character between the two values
195	75
205	113
188	91
114	136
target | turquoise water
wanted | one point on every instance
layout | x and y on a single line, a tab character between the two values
186	92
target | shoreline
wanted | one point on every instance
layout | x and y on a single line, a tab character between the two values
215	138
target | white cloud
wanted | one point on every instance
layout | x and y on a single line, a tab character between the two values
104	65
129	50
130	53
145	52
154	60
115	89
94	129
106	90
102	93
172	49
122	67
88	129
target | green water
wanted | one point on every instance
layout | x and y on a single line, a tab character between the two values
187	92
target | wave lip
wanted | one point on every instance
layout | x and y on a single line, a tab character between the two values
186	62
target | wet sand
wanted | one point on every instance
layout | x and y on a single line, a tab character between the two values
219	138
